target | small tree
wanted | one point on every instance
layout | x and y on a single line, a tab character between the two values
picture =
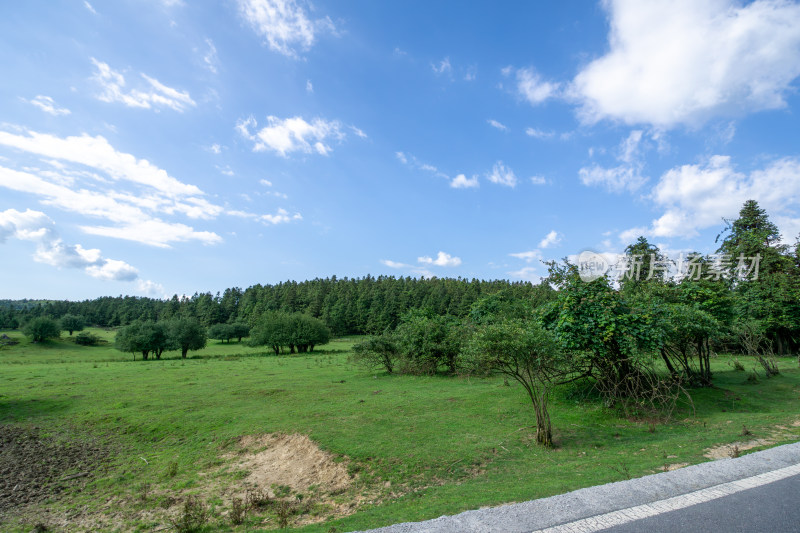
144	338
376	352
187	334
523	351
273	330
240	330
42	328
222	332
72	323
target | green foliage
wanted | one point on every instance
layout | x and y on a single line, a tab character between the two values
145	338
594	321
273	330
280	330
427	341
72	323
376	352
240	330
687	333
42	328
646	265
187	334
84	338
526	352
222	332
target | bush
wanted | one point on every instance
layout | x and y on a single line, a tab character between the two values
42	328
376	352
84	338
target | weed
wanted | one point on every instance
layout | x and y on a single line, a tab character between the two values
257	500
737	366
283	511
193	517
735	452
238	511
745	431
40	528
172	469
622	470
144	491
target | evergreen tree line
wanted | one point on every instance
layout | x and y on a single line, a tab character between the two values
346	306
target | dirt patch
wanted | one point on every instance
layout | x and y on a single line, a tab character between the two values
675	466
293	461
777	434
34	468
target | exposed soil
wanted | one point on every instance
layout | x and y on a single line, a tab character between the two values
34	468
724	451
290	460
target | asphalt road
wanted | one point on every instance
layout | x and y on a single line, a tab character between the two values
771	508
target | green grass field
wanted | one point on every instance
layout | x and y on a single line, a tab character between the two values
416	447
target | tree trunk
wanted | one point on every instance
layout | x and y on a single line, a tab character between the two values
184	352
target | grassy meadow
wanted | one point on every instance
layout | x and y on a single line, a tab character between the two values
414	447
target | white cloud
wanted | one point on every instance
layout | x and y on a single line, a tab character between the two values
535	90
443	67
215	149
309	86
442	259
37	227
292	135
265	183
226	170
104	192
88	6
48	105
502	175
280	217
402	157
539	134
615	179
529	257
97	152
113	270
155	96
686	61
472	73
394	264
284	24
150	288
358	132
627	176
495	124
551	239
699	196
538	180
154	232
210	57
462	182
527	274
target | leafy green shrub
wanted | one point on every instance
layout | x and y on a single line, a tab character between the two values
42	328
84	338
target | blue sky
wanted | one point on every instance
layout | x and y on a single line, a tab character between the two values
159	147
